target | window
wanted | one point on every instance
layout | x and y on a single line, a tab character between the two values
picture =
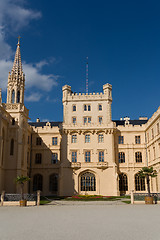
38	158
137	139
100	107
74	156
121	140
139	183
148	137
154	153
37	182
87	156
88	182
18	96
54	159
138	156
74	120
87	138
87	120
13	121
101	156
12	147
38	141
87	107
123	183
74	108
74	138
53	183
54	140
100	138
121	157
100	120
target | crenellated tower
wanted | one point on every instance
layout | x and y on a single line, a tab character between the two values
16	80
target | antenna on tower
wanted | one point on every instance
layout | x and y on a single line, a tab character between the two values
86	74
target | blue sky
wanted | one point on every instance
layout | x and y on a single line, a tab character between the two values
120	38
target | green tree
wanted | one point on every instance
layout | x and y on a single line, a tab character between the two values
147	172
21	180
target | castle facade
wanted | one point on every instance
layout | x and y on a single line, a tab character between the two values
87	153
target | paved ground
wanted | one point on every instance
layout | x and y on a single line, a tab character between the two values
86	221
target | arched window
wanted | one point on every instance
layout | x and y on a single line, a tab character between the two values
18	96
138	156
121	157
123	182
12	147
37	182
13	96
139	183
88	182
74	108
53	183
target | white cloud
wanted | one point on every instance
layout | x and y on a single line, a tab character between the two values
33	97
14	15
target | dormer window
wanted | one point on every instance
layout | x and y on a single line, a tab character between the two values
74	108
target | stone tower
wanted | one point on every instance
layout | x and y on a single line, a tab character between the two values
16	80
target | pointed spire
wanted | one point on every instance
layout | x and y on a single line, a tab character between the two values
17	65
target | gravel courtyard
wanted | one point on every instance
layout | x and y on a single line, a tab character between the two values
80	221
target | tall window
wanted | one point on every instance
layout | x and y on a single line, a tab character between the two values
12	147
38	141
88	182
137	139
74	108
138	156
37	182
53	183
139	183
74	138
54	159
152	133
100	120
87	107
100	107
101	156
121	140
100	138
74	120
38	158
87	138
157	128
87	120
123	182
121	157
74	156
13	96
54	140
87	156
18	96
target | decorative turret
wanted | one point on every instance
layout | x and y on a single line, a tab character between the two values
16	80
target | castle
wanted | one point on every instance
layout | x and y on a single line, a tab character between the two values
87	153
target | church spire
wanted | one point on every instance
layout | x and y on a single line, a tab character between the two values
16	79
17	65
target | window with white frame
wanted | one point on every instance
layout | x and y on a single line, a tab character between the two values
121	157
87	138
101	156
137	139
74	156
74	138
100	138
87	156
54	158
100	107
